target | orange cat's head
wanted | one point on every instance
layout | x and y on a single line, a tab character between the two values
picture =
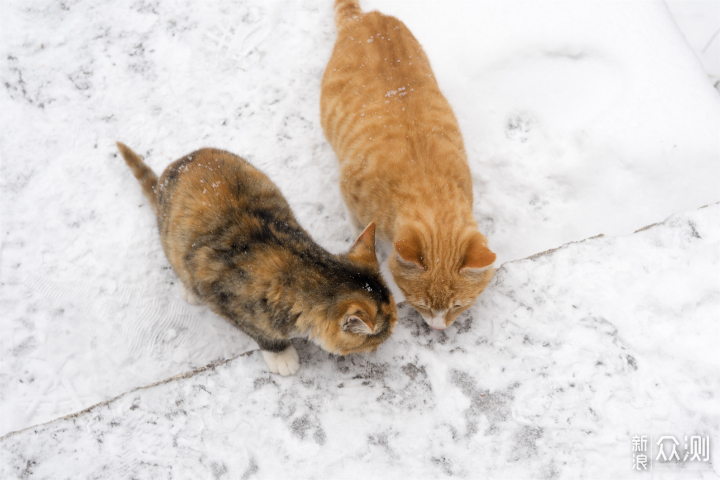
441	275
362	313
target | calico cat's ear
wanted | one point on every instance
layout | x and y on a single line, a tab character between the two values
355	324
409	250
363	250
478	255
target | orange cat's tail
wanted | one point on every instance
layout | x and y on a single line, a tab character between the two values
147	178
345	10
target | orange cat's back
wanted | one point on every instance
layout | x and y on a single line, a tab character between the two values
381	108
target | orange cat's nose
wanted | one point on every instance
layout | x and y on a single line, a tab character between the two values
437	321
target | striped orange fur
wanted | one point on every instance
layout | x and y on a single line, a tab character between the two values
403	163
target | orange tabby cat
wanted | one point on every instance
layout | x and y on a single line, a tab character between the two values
403	163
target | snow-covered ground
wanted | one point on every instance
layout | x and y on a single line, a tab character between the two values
579	118
543	379
699	20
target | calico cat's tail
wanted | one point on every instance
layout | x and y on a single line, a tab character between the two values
345	10
147	178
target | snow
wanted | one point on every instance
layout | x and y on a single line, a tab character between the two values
579	118
542	379
699	21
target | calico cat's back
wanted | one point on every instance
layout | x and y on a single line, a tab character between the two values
212	197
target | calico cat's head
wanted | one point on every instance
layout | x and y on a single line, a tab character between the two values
363	312
441	275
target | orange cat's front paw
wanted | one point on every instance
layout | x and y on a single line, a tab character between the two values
285	363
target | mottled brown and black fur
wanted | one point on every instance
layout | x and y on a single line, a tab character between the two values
233	240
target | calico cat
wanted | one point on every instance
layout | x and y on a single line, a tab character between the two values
402	161
233	240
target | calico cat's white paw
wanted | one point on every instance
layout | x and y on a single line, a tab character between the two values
188	295
285	363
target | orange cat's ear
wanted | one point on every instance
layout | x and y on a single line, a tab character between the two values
363	250
478	255
408	248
